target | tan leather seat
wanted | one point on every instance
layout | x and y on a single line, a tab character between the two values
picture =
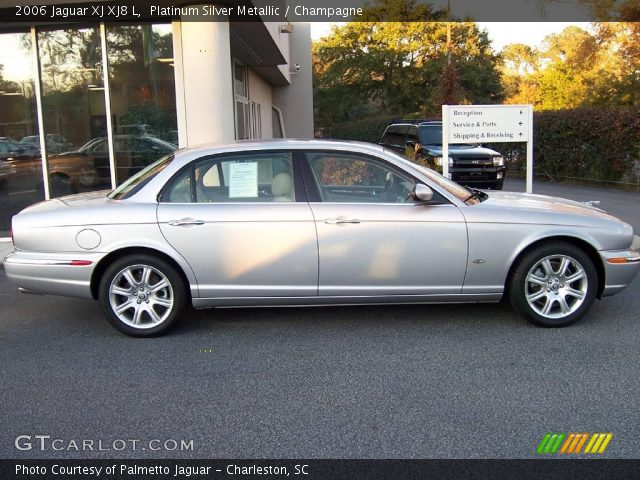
282	188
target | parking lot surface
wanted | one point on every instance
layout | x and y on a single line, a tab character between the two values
427	381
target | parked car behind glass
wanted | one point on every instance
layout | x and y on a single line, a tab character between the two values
89	165
55	143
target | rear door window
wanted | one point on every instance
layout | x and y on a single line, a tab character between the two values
254	177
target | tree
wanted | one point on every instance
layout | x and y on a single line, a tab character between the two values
570	60
373	66
619	69
576	68
519	63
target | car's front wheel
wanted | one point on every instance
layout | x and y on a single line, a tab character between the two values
554	284
142	295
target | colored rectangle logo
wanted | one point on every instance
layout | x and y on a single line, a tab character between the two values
574	443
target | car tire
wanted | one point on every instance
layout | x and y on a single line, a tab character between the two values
60	185
553	285
88	177
142	295
498	185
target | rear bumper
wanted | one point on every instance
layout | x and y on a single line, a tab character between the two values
620	273
52	273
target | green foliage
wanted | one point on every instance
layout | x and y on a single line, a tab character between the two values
161	120
365	130
592	144
375	67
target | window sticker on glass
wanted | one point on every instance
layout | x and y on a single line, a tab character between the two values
243	180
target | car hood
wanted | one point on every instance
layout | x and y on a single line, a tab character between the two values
547	207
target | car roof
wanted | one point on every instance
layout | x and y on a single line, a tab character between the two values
415	124
281	143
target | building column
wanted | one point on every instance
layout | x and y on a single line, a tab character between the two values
296	100
204	82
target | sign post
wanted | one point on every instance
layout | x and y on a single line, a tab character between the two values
488	124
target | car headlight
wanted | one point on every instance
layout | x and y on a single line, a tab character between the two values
439	161
498	161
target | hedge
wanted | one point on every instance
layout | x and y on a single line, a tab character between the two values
588	143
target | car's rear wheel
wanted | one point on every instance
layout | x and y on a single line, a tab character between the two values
498	185
142	295
554	284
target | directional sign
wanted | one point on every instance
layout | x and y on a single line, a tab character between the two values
488	123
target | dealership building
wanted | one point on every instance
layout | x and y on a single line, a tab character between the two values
83	106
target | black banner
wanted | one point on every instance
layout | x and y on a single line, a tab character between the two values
321	11
318	469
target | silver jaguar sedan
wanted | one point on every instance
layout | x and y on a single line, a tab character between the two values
305	222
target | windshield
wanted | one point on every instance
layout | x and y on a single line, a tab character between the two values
162	143
450	186
89	143
139	180
430	134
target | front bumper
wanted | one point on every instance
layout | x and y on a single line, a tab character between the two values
477	176
52	273
620	273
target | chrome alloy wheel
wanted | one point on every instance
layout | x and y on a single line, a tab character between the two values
141	296
556	286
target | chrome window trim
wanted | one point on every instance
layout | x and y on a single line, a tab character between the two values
414	204
233	203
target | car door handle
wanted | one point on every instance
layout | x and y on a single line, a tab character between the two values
341	220
185	221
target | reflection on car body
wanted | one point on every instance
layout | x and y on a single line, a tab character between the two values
288	222
55	143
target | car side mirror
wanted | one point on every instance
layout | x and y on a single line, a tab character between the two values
422	193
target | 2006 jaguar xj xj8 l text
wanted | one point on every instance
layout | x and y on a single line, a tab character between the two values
291	222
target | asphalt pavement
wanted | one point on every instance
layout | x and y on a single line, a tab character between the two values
441	381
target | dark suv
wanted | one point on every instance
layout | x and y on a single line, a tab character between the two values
469	164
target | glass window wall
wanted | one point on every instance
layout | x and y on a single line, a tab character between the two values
20	165
71	70
73	108
143	99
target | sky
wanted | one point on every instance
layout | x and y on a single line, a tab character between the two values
501	33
